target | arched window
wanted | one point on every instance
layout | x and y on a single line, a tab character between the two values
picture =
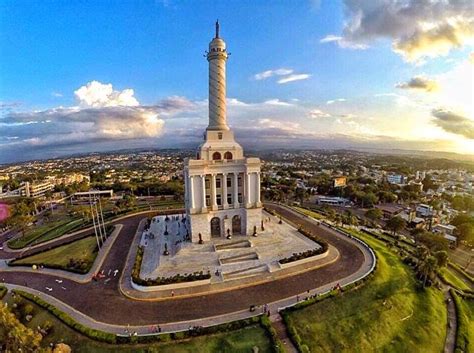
216	156
227	155
198	155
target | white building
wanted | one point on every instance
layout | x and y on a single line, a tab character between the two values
396	179
222	186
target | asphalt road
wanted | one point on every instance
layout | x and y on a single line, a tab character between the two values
104	301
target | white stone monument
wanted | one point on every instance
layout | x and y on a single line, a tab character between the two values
222	187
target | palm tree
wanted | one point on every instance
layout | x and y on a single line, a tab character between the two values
428	267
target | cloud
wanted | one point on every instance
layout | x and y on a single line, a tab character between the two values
331	38
96	94
418	29
420	83
276	101
295	77
56	94
332	101
316	114
454	123
102	114
270	73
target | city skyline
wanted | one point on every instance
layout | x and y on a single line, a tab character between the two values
90	77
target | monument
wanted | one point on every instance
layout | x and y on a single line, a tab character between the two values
222	186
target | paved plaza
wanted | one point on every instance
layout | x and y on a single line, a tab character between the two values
238	257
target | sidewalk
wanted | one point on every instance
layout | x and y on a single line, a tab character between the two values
274	307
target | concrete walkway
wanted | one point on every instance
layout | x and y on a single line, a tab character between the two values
452	323
274	307
280	328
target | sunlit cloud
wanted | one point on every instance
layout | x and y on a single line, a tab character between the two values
292	78
270	73
421	83
417	29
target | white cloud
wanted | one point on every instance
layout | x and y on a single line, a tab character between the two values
317	113
332	101
276	101
295	77
418	29
270	73
56	94
96	94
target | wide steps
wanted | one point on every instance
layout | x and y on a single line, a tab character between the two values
246	272
239	244
239	258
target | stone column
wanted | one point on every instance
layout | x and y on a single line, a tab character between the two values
224	191
248	191
191	192
213	192
236	190
203	185
257	189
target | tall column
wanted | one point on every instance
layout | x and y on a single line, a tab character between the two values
191	192
203	200
213	192
236	190
248	190
257	189
217	56
224	191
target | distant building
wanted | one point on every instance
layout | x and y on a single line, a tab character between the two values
333	201
36	189
339	182
424	210
397	179
390	210
446	229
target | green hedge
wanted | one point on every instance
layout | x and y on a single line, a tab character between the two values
293	334
277	345
308	253
462	334
159	281
109	229
3	291
162	337
68	320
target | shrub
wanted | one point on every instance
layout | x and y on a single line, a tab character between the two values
308	253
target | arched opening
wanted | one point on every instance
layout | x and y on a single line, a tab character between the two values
216	156
236	225
198	155
215	227
227	155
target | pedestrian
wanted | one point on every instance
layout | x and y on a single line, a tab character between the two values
172	293
297	298
159	328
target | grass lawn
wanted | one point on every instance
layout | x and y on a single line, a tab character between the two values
83	250
387	314
454	279
309	213
465	333
45	232
235	341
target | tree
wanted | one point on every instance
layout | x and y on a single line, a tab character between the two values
428	267
348	218
396	224
374	214
15	337
434	242
441	258
465	233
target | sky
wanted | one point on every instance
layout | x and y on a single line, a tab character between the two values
85	76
